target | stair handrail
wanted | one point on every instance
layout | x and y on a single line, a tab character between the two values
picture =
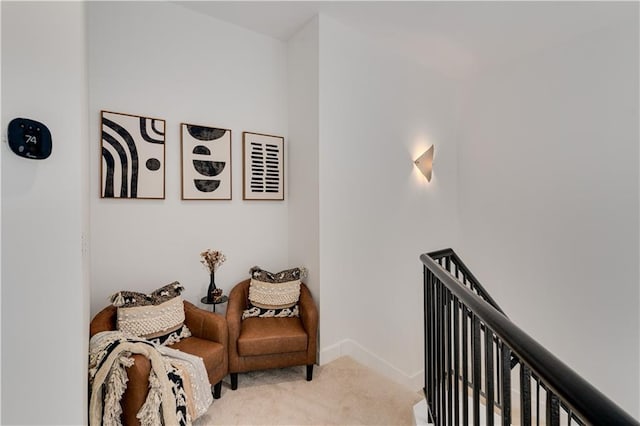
450	253
591	404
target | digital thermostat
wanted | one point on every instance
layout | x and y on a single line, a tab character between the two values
29	138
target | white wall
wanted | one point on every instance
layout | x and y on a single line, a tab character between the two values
44	288
360	205
1	150
163	60
304	227
378	112
549	201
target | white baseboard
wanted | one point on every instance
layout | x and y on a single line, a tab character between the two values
366	357
420	417
330	353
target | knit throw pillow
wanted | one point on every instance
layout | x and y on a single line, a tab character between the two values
274	294
158	317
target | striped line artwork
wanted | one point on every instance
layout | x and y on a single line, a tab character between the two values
263	167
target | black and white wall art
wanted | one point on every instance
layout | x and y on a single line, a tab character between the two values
206	163
133	156
263	174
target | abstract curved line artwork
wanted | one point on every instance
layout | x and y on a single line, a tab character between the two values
153	164
124	162
203	133
108	184
157	130
206	185
145	135
208	168
135	168
133	152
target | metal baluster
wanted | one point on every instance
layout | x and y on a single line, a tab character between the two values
553	409
449	362
438	349
456	359
498	373
441	353
505	387
569	416
428	343
465	365
537	401
525	395
434	346
477	367
489	379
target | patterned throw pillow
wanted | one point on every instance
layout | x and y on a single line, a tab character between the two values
274	294
158	317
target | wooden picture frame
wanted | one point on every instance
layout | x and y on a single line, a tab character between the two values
263	167
132	156
206	162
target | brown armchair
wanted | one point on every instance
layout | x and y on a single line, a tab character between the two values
208	341
263	343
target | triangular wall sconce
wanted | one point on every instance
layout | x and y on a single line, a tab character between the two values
424	163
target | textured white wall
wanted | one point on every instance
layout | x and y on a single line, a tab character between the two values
163	60
304	227
549	200
44	284
378	112
1	151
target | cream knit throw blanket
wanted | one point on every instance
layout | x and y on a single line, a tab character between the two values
179	388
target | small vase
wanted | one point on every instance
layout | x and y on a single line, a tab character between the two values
212	288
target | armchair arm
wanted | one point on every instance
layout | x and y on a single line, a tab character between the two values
205	325
309	318
105	320
235	307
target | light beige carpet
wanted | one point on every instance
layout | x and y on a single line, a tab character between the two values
342	392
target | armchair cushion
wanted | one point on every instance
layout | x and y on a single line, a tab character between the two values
212	353
256	311
128	299
158	316
274	294
266	336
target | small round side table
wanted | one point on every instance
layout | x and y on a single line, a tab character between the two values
223	299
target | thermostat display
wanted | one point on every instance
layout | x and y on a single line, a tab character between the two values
29	138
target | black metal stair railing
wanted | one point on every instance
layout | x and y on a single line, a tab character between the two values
471	349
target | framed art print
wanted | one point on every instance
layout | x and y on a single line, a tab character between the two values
263	172
133	156
206	162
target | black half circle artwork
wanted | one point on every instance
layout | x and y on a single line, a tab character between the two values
206	185
201	149
205	133
209	168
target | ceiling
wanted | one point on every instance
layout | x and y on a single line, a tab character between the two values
455	38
